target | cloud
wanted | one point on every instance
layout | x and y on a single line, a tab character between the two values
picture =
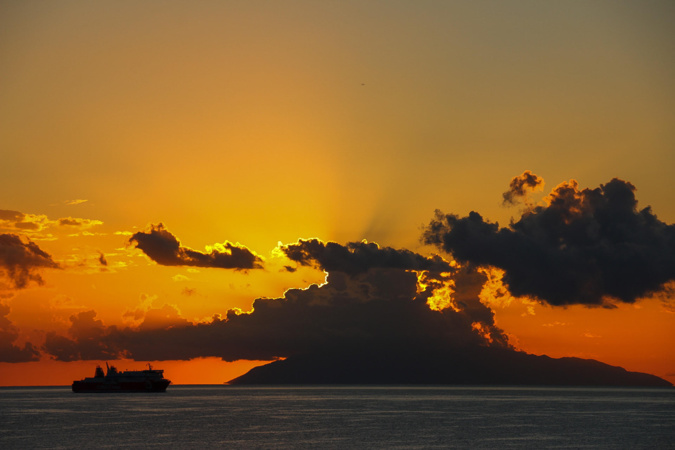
20	261
9	351
165	249
11	216
161	318
667	297
361	305
90	340
101	259
358	257
188	292
34	224
18	221
521	186
75	202
583	247
78	223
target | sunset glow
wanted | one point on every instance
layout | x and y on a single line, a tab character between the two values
213	186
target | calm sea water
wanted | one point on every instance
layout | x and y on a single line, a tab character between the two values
340	417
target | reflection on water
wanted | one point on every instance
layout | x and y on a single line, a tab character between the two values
340	417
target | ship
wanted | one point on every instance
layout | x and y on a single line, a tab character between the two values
149	380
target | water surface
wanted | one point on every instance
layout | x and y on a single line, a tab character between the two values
340	417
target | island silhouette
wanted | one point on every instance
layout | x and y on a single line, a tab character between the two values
468	366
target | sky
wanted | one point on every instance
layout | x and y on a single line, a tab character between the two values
208	184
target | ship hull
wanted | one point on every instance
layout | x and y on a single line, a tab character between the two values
121	387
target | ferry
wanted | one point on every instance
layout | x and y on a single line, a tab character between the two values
149	380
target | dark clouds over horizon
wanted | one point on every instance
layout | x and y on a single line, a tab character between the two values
581	247
9	351
164	248
586	246
366	303
21	261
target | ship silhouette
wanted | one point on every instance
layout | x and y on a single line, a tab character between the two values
149	380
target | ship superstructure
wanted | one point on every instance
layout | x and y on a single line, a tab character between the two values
149	380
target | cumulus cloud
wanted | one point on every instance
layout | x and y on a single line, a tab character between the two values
90	340
585	246
367	323
21	260
9	351
165	249
158	318
358	257
363	305
521	186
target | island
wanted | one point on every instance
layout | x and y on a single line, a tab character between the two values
474	366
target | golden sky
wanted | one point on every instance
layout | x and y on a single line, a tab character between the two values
260	123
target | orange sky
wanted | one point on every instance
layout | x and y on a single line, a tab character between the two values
262	123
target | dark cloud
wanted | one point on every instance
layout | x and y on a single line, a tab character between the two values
9	351
165	249
584	247
90	340
371	307
162	318
358	257
20	261
366	324
520	186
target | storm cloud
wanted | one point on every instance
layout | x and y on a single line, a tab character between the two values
585	246
21	260
165	249
361	306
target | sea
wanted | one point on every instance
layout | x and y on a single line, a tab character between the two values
340	417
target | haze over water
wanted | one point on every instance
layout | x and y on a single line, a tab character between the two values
340	417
